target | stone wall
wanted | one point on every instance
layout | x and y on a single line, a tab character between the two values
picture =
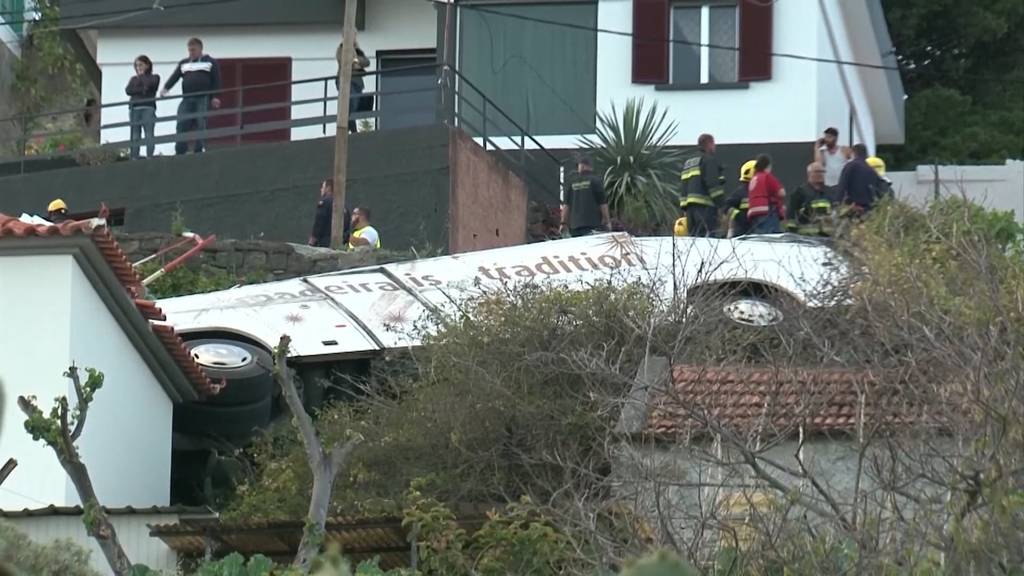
255	260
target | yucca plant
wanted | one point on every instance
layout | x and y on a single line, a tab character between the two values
640	170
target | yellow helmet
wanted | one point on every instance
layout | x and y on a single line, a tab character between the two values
878	164
56	205
747	171
680	229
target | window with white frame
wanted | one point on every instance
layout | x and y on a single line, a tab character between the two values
705	42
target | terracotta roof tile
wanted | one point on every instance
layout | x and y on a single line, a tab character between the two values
99	233
770	401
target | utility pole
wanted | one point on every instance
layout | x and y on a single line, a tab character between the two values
346	54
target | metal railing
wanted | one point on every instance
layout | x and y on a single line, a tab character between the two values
453	98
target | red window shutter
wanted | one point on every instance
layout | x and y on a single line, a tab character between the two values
755	40
650	41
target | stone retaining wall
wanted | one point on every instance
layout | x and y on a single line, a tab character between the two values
259	260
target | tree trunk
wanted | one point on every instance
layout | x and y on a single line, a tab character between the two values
97	523
319	502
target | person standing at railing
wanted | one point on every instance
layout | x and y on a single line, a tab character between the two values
200	79
356	100
142	107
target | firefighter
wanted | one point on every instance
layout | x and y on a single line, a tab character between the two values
737	202
811	206
57	211
703	189
884	184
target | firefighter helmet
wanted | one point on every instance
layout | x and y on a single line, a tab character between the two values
747	171
56	205
878	164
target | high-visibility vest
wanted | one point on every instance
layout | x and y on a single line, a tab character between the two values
359	234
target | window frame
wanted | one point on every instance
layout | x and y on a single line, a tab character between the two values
704	51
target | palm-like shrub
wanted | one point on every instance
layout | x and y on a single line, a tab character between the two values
640	170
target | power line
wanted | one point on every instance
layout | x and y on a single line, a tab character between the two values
103	16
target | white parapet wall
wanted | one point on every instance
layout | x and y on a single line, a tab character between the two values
999	187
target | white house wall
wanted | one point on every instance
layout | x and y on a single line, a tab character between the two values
779	110
127	438
854	94
35	303
132	531
390	25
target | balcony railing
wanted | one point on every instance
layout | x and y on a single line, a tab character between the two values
451	99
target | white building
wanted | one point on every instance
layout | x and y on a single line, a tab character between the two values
749	71
62	524
67	295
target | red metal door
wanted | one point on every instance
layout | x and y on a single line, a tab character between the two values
244	87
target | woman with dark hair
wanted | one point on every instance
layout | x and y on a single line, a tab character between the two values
142	105
766	211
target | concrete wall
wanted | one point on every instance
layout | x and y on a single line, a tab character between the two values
266	191
390	25
790	161
997	187
686	484
34	351
488	201
132	531
53	317
259	260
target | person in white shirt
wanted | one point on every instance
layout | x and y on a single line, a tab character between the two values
364	236
833	157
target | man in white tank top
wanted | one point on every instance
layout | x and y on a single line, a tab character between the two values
829	154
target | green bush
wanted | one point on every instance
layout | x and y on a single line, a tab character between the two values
20	556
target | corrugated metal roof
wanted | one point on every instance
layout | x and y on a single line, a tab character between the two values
77	511
360	539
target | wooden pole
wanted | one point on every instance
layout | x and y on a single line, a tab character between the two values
346	54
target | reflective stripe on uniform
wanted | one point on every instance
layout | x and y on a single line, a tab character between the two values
821	205
717	192
697	200
687	174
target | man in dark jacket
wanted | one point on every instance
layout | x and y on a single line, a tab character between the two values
200	79
703	189
858	184
810	205
321	234
584	206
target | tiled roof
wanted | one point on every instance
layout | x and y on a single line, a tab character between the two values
97	230
776	402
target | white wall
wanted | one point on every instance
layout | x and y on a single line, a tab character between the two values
997	187
779	110
131	529
35	303
390	25
53	317
127	438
